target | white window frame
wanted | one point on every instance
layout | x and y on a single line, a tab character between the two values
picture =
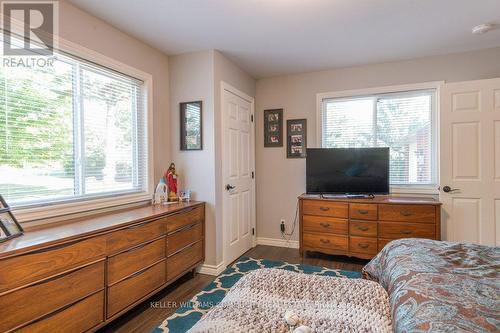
48	212
434	85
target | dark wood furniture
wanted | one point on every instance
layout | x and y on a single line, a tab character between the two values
361	227
79	275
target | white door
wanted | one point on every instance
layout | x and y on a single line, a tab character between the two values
470	161
238	175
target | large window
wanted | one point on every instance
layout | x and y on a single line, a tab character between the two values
402	121
70	131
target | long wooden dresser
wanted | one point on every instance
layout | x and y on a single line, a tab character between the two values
79	275
361	227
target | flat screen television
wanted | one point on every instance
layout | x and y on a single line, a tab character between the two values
347	170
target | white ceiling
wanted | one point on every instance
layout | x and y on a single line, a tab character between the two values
273	37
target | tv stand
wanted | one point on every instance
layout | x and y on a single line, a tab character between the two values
360	227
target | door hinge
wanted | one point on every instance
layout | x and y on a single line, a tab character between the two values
253	231
253	175
251	118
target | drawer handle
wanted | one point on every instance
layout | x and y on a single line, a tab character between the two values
139	225
362	228
363	245
324	209
60	276
184	248
138	247
363	211
406	213
191	226
182	211
47	316
406	232
325	225
53	248
141	271
324	241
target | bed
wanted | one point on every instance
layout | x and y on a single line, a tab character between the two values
260	300
436	286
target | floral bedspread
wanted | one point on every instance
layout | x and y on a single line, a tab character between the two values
438	286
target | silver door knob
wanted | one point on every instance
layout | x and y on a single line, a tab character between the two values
230	187
448	189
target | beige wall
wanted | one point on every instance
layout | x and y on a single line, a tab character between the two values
197	76
80	27
281	180
191	79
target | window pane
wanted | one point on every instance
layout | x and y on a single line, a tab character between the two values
401	121
70	131
36	133
348	123
108	111
404	124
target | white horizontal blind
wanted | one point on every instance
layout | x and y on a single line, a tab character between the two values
401	121
72	131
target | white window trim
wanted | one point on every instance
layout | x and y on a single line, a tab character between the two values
431	189
49	211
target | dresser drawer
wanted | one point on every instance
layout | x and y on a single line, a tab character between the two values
325	208
183	237
409	213
363	228
179	220
78	317
30	267
134	288
134	235
363	245
184	260
325	241
382	242
133	260
360	211
395	230
24	305
325	224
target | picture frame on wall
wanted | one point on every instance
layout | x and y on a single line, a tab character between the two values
273	128
296	138
9	226
191	126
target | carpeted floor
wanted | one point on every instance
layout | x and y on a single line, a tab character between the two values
190	312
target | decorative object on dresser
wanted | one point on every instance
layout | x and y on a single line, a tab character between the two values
296	138
83	274
9	227
171	177
273	128
361	227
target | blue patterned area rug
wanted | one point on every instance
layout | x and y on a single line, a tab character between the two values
191	311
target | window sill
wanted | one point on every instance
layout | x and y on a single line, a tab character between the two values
415	189
57	212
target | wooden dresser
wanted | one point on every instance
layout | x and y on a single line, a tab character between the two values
361	227
79	275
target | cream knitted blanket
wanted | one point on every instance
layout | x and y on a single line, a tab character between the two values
258	302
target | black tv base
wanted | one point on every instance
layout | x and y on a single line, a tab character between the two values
348	196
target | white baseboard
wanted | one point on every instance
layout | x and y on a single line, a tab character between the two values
293	244
214	270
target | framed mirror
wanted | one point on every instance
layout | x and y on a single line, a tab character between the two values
191	126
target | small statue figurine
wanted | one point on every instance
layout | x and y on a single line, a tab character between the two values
171	177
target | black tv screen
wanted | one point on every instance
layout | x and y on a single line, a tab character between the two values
347	170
